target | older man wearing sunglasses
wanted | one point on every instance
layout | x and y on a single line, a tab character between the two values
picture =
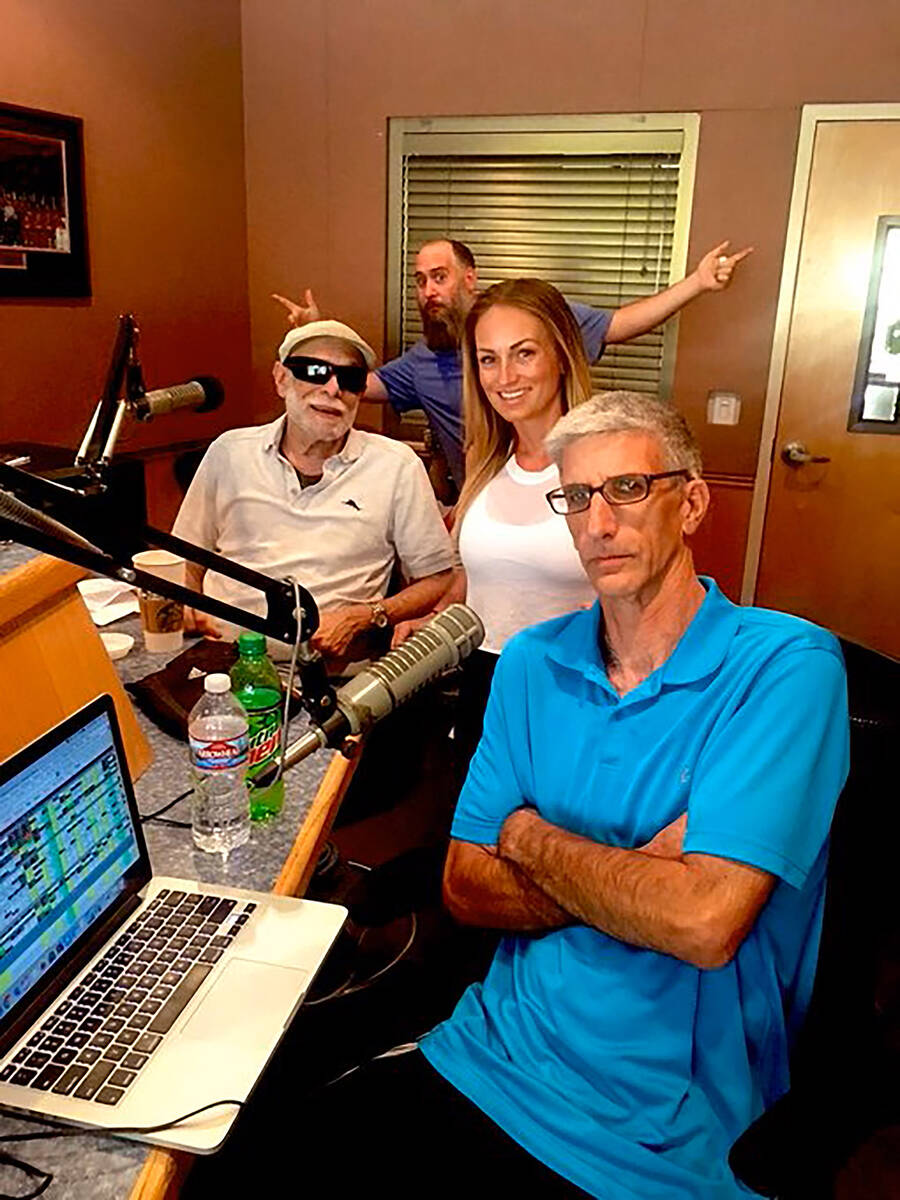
311	496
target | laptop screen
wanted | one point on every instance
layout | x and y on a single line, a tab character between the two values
67	840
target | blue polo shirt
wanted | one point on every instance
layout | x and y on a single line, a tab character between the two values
625	1070
432	380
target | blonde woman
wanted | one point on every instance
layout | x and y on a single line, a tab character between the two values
523	367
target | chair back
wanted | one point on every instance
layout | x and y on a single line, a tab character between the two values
848	1052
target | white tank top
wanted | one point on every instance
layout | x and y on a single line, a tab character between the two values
520	562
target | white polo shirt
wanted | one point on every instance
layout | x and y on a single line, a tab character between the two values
339	537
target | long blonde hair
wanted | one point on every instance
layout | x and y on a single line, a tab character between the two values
488	438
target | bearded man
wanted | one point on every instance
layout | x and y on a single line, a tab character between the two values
312	497
429	374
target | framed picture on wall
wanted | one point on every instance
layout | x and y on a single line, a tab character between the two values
43	233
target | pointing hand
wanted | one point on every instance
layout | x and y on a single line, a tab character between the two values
715	268
300	314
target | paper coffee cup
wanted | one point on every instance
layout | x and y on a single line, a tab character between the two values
162	620
162	563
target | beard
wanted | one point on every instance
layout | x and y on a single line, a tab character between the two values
317	427
442	326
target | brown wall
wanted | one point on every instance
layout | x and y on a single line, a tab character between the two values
173	238
321	78
158	86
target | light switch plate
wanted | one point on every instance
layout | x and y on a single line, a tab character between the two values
723	408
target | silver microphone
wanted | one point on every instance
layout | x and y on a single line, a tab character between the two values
378	689
202	394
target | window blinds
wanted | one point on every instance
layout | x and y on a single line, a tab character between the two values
598	226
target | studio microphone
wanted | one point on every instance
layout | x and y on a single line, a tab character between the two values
378	689
202	394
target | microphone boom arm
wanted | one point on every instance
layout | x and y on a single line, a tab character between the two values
97	445
25	522
54	515
47	513
336	715
60	516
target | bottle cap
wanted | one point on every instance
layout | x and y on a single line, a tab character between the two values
252	644
217	684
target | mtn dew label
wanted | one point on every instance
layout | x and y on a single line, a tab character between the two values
255	682
265	734
263	708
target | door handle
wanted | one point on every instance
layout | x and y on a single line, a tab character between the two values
795	454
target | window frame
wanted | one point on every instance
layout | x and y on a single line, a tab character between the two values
574	134
856	422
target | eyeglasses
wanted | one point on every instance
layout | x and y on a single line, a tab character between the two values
618	489
317	371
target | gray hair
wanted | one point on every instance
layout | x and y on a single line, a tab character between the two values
629	412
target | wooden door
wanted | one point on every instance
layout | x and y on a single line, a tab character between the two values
831	541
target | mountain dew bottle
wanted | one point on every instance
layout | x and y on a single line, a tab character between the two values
255	682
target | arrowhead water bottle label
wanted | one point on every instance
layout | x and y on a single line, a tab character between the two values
220	755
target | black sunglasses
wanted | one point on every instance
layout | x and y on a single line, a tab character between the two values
316	370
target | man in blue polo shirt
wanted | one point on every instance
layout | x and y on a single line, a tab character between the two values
646	817
429	374
650	803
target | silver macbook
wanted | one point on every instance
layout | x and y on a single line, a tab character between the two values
128	999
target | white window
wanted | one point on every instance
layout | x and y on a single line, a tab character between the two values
597	205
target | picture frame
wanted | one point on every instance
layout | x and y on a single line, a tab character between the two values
43	228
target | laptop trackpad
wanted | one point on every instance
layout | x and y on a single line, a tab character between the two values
247	996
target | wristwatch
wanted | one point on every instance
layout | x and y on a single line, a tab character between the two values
379	614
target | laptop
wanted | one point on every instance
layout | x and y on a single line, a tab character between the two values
128	999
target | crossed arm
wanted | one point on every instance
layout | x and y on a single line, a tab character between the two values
695	907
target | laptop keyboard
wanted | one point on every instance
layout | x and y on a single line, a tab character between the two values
103	1034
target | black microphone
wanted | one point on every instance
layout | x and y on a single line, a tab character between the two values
202	394
378	689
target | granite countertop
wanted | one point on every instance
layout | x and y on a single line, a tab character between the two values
172	852
86	1167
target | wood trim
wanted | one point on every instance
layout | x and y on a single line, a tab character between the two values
161	1175
740	482
34	585
48	638
300	863
166	449
718	545
164	1171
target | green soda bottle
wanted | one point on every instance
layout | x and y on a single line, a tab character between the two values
255	682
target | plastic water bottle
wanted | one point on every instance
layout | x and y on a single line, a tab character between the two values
217	732
255	682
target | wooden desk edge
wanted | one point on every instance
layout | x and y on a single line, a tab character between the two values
164	1171
33	584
